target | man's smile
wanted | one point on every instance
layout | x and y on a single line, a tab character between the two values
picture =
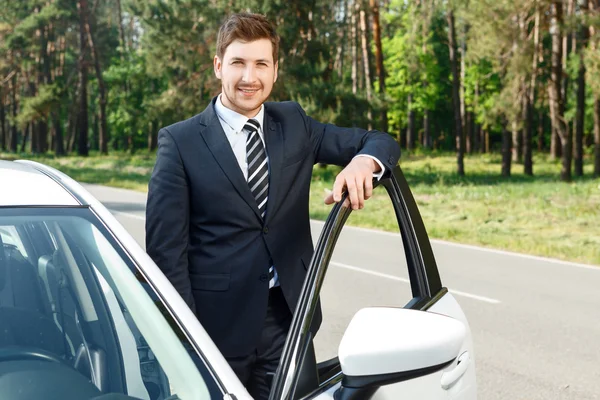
248	92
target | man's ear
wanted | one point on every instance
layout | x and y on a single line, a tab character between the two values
276	71
217	64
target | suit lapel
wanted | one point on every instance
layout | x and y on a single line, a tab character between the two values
274	143
216	141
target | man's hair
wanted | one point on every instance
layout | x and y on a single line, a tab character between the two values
246	27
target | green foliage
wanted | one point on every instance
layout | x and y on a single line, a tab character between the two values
161	71
417	63
38	107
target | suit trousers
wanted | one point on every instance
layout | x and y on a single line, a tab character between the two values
256	370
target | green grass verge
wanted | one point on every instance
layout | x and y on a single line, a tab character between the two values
536	215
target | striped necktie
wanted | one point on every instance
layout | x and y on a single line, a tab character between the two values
258	178
258	170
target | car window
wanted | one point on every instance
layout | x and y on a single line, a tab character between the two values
368	268
10	237
68	297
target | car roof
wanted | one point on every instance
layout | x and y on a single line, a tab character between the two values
23	183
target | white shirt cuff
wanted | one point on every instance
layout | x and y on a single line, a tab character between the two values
376	175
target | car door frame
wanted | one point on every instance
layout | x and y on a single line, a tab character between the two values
425	282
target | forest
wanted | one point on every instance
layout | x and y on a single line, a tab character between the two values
512	77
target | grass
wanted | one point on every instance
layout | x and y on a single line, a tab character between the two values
536	215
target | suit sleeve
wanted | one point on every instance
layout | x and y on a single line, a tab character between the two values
167	216
336	145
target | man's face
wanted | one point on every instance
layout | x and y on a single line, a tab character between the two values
247	73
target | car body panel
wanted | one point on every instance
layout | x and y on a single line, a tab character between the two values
23	185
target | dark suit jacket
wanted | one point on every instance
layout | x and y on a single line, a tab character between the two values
203	228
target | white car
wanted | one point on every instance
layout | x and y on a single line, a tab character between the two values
86	314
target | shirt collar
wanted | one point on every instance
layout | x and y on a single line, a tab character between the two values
235	120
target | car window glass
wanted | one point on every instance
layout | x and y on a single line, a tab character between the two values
71	299
10	237
368	268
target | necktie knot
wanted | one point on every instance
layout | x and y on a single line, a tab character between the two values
252	125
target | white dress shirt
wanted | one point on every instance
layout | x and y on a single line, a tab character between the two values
233	125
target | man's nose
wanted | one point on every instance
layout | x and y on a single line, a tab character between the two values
249	74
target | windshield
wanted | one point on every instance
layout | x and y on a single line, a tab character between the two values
75	321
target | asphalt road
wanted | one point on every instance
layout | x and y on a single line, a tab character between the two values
535	322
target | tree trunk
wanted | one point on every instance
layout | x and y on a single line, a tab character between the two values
593	6
354	50
34	131
123	43
530	100
338	65
463	106
410	129
527	134
46	77
555	151
596	112
59	146
486	138
580	117
469	131
476	137
506	150
455	94
516	142
14	137
3	131
82	118
517	132
367	66
517	138
477	143
426	17
103	128
566	50
25	135
483	141
555	94
426	129
379	62
540	130
71	132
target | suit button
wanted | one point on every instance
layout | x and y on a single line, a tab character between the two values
265	230
263	278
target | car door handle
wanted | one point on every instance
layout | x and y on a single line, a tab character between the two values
449	378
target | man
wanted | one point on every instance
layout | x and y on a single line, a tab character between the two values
227	215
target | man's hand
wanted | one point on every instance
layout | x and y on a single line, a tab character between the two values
357	179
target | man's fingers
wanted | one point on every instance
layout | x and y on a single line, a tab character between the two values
360	192
368	187
338	185
352	192
329	198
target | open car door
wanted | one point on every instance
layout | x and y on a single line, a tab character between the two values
422	350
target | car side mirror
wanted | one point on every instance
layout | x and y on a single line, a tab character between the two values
389	345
